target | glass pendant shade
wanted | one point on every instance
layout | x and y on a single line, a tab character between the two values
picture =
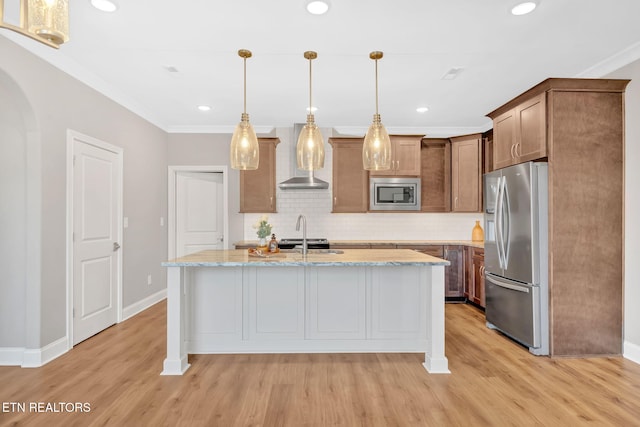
46	21
244	146
376	151
49	19
244	151
310	147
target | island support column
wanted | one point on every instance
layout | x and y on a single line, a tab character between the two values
176	362
435	361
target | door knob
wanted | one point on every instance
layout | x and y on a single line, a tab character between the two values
116	246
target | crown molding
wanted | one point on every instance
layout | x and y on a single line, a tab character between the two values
612	63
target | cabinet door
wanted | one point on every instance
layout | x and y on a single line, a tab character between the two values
454	273
350	185
478	277
276	303
435	176
466	179
335	303
504	139
258	187
397	311
531	138
407	156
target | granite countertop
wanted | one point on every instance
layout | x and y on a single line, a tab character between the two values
372	243
347	257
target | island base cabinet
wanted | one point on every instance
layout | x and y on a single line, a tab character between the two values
293	309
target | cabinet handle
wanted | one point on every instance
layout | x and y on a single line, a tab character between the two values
455	203
446	253
513	147
518	150
271	201
335	201
397	164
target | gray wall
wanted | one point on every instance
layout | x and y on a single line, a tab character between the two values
190	149
60	102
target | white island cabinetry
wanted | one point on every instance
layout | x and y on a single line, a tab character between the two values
387	300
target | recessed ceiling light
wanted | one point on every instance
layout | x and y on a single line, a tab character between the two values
204	108
317	7
104	5
422	109
523	8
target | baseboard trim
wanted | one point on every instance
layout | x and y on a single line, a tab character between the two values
11	356
138	307
631	352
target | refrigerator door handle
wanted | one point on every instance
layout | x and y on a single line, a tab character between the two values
506	224
499	222
502	284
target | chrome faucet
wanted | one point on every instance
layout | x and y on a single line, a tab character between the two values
304	233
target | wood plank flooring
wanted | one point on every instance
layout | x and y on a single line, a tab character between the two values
494	382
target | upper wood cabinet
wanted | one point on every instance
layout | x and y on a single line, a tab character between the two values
466	173
435	175
520	133
487	147
405	156
258	187
350	185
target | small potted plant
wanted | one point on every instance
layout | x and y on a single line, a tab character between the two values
263	230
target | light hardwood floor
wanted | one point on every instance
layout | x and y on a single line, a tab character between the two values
494	382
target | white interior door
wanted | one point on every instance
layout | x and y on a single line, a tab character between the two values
97	177
199	212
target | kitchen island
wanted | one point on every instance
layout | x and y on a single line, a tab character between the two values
355	300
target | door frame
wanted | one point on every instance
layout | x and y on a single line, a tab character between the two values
73	136
171	229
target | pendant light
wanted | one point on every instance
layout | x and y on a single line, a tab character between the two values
244	151
46	21
376	151
310	147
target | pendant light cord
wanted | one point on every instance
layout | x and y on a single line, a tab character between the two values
310	93
376	86
245	85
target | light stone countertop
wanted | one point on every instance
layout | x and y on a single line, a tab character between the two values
348	257
373	243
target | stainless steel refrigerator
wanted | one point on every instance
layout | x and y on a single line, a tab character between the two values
516	253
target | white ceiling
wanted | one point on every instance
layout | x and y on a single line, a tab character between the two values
125	55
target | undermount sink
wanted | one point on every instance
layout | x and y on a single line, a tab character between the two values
314	251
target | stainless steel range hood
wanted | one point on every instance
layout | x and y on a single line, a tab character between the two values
301	179
304	182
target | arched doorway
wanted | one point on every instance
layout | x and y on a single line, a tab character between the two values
19	224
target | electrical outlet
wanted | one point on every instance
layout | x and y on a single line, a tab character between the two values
149	279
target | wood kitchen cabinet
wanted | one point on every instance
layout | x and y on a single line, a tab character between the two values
405	156
435	175
350	185
258	187
466	173
487	148
520	133
578	126
474	275
454	273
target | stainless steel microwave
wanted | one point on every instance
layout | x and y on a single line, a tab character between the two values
394	194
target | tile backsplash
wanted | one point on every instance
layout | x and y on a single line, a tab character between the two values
316	205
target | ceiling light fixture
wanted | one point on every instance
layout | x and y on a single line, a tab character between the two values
244	152
422	109
316	7
204	108
104	5
376	151
523	8
310	147
46	21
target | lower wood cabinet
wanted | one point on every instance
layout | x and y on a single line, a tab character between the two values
454	273
474	276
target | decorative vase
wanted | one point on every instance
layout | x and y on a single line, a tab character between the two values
262	243
477	234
